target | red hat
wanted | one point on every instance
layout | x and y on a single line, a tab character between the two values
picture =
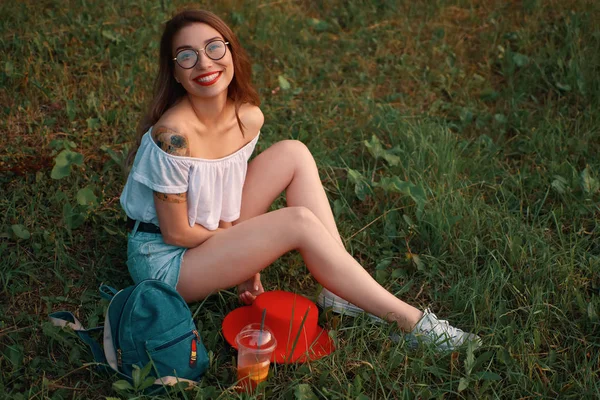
284	316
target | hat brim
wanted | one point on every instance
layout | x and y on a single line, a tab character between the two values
310	349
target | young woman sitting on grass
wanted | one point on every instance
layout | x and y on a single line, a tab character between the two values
197	209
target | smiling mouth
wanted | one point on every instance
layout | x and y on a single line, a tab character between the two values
208	79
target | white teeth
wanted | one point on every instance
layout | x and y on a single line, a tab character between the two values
208	78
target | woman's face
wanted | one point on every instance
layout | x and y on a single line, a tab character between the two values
208	78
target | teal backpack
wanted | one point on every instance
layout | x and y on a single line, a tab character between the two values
146	322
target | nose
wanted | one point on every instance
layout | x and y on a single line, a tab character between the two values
203	60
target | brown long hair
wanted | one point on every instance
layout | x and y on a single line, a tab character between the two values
167	91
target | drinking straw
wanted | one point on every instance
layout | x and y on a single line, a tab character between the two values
262	326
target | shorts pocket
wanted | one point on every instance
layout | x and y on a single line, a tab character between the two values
146	249
139	247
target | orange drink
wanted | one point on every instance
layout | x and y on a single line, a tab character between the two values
255	350
250	376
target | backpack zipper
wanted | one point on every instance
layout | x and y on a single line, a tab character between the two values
173	341
116	337
193	355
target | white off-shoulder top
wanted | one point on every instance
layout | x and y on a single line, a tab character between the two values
214	187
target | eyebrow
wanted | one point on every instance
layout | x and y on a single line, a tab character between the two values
187	46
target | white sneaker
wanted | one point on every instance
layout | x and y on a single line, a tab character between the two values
338	305
439	333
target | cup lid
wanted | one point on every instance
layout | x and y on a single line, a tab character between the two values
253	338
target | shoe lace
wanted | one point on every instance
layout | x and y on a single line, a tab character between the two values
443	329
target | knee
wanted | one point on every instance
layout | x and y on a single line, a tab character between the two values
302	219
297	151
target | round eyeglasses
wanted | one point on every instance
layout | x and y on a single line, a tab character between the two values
188	58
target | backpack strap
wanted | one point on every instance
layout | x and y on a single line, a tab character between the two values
65	318
107	292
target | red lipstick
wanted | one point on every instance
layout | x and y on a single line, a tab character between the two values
208	79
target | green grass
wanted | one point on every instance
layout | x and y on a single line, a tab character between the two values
479	196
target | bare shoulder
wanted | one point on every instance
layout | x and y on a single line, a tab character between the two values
170	133
252	118
171	139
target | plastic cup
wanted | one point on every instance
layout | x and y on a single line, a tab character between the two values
255	348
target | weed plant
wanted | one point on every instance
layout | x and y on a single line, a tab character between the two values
457	141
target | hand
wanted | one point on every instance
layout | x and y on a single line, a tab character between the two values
248	290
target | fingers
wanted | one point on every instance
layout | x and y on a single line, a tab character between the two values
260	290
247	297
257	285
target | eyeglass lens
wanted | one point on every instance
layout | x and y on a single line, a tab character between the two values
188	58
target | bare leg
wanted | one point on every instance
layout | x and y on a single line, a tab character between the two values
241	251
287	165
257	239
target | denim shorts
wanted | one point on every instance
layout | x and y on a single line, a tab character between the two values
149	257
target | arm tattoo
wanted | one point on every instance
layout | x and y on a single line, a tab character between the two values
171	141
171	198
